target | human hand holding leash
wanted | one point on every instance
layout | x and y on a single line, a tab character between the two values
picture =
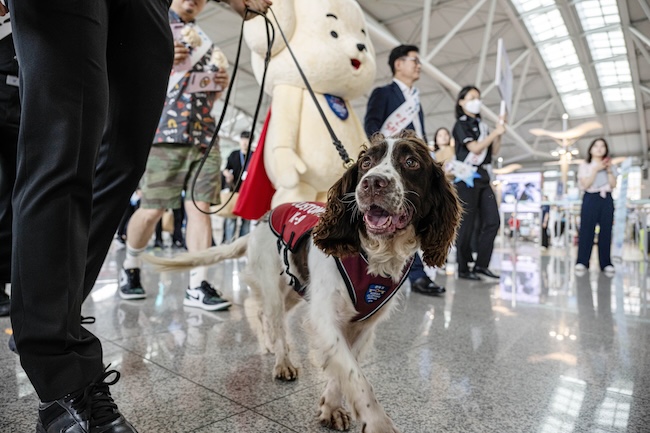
242	6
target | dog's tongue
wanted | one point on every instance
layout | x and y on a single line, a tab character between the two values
377	216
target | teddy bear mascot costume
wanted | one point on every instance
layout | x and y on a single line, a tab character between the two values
296	159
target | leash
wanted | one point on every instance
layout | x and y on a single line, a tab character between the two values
270	37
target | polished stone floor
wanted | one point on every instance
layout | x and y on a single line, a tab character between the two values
540	350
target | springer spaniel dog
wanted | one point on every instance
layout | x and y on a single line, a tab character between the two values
346	258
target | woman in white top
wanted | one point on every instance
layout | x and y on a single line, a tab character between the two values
597	177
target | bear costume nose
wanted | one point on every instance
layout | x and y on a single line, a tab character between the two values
361	47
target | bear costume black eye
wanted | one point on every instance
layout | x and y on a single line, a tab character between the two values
334	34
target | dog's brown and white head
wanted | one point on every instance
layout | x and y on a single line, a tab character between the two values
394	191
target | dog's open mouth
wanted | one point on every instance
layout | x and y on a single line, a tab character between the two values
356	64
381	222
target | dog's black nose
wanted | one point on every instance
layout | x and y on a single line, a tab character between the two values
374	184
361	47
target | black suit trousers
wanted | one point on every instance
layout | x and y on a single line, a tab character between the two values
93	80
478	201
9	122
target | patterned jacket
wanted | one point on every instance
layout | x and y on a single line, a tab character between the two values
186	117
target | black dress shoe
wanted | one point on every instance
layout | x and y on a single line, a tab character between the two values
469	276
485	271
425	286
91	410
70	414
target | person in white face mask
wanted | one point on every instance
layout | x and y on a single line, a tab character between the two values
476	146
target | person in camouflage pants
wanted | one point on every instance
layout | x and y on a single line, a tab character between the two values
185	130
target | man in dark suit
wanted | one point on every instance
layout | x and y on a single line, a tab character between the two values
391	109
231	173
9	122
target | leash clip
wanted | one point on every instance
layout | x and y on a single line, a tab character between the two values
348	164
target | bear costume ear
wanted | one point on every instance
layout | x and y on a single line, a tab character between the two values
255	29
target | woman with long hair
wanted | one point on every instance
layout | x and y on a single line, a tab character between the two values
443	145
597	177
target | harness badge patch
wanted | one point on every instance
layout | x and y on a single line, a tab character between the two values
338	106
375	292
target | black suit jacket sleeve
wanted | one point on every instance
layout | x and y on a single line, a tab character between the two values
376	111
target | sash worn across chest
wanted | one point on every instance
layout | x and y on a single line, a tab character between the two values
292	223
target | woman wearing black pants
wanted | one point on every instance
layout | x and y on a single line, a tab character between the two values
475	146
597	177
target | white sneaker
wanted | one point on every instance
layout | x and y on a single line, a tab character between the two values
609	269
580	267
206	297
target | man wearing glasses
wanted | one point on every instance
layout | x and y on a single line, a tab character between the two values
393	108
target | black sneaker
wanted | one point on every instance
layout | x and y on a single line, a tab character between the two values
206	297
91	410
130	287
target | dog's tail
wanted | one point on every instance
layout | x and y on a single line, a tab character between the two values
207	257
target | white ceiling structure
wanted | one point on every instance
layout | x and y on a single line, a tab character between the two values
587	58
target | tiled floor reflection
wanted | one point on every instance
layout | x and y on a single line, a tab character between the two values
539	350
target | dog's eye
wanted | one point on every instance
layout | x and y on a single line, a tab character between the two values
365	164
363	31
412	163
334	34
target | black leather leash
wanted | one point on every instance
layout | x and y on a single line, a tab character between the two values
270	37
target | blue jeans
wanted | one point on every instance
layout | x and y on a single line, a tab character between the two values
596	211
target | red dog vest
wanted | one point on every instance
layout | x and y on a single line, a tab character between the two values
293	222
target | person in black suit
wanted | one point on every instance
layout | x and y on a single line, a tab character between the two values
92	84
9	121
231	173
393	108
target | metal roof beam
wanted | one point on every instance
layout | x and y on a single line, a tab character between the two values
520	89
640	46
486	44
634	69
459	25
645	7
533	113
526	38
426	20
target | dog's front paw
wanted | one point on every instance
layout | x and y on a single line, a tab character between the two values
384	426
285	371
336	419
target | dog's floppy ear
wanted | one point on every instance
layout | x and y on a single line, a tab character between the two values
438	229
337	231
